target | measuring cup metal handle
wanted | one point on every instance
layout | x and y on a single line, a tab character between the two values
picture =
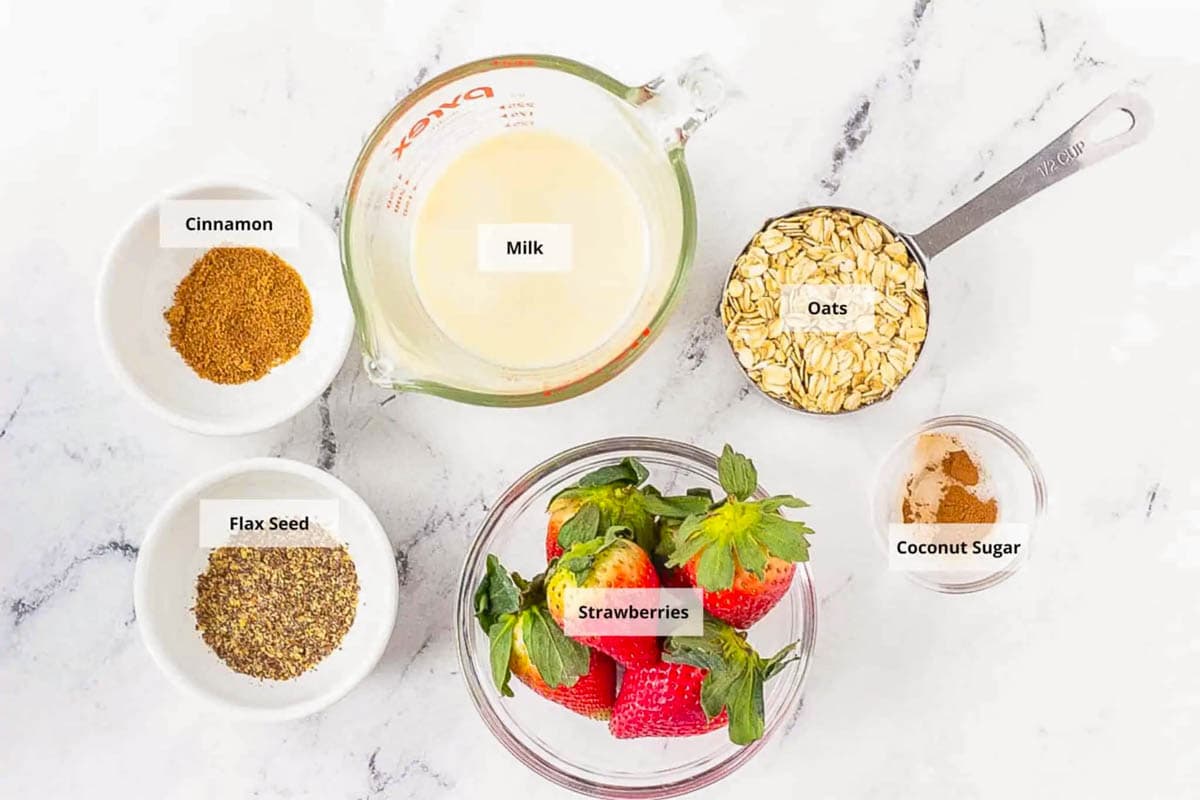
680	101
1066	155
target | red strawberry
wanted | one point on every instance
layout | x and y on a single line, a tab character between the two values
607	497
741	551
524	641
561	511
706	683
611	562
749	598
662	700
591	695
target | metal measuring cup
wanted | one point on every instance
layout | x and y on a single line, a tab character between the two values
1070	152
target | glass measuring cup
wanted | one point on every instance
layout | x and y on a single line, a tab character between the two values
639	130
1120	121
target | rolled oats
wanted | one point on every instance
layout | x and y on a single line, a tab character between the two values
826	372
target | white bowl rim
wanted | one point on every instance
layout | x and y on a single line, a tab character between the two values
187	493
249	424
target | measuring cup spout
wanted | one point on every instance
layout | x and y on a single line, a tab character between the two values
1088	141
683	99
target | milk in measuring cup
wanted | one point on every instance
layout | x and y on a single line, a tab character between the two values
530	250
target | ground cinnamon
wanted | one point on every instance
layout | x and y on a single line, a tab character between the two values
939	490
239	312
958	466
960	507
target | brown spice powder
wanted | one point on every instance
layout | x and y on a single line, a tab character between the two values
239	312
939	492
959	466
276	612
960	507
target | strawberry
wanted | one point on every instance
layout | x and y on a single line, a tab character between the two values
705	683
746	601
591	695
609	496
741	552
662	700
561	512
611	562
526	642
749	597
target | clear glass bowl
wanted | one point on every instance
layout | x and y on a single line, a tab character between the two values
579	753
1008	468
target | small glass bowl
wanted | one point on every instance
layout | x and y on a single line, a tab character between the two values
1012	475
578	753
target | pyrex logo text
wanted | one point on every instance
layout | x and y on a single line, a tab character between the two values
478	93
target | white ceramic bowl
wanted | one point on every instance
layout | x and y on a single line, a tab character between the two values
138	284
164	592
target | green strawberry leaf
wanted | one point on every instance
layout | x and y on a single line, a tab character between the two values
745	704
559	660
581	557
620	503
629	471
578	565
581	527
714	570
737	535
751	555
776	502
678	507
735	678
746	708
607	476
784	538
716	689
773	665
687	542
703	651
738	476
666	539
497	594
643	531
500	641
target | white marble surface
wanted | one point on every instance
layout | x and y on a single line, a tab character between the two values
1072	320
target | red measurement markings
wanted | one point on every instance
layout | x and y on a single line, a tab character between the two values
400	197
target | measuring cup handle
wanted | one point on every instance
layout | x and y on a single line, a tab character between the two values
1072	151
683	99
